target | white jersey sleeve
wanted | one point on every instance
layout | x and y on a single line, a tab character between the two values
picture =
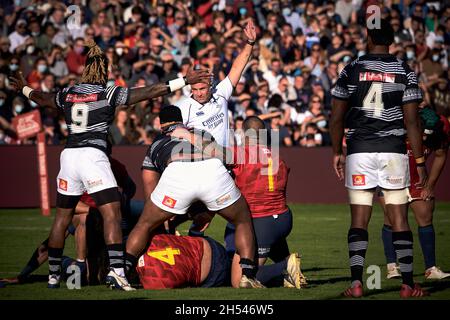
184	105
225	88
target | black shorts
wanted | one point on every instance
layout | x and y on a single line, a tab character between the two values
270	232
220	272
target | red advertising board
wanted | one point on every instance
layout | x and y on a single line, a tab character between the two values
27	125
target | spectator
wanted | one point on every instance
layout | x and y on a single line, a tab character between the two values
18	37
76	57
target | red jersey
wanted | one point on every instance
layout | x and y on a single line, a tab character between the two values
171	262
444	141
262	178
121	175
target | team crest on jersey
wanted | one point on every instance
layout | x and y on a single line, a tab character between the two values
62	184
359	179
377	76
81	97
169	202
200	113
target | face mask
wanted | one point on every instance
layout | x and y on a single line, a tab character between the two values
346	59
30	49
410	55
18	108
321	123
2	102
330	14
435	57
287	11
42	68
13	67
243	11
33	104
152	20
63	126
119	51
361	53
35	34
439	39
110	83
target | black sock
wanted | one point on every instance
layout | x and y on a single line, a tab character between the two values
427	242
54	261
403	243
32	264
130	262
116	258
249	268
357	247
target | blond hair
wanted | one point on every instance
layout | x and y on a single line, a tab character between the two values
96	69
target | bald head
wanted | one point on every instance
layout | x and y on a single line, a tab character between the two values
253	127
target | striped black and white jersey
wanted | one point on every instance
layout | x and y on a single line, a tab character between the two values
376	86
89	110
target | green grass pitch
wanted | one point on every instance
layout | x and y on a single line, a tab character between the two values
319	234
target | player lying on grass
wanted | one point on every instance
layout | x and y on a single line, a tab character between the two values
182	169
436	139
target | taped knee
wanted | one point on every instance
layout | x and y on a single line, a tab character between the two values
396	196
361	197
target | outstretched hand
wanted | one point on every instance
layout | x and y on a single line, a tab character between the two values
250	31
197	76
18	81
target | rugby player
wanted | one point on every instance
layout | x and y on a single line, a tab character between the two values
179	171
89	109
77	227
262	178
207	107
421	200
377	94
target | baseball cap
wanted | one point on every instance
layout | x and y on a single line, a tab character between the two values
21	21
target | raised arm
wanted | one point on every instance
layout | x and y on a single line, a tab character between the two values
156	90
244	56
43	99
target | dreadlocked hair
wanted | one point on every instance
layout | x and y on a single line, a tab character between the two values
96	68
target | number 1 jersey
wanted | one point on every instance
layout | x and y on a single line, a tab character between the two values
376	87
89	111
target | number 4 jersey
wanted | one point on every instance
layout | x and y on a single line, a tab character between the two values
88	111
376	87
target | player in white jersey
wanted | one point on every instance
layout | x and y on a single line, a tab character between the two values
89	109
207	107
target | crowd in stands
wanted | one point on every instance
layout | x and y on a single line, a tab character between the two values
302	46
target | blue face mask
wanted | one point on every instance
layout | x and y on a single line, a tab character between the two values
42	68
110	83
18	108
33	104
2	102
361	53
287	11
13	67
410	55
435	57
243	11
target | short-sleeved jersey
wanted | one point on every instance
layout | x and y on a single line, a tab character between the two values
262	178
89	110
211	116
165	147
376	87
171	262
121	175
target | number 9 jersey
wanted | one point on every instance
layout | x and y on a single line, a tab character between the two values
376	86
88	111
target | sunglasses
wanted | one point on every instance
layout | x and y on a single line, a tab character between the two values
315	101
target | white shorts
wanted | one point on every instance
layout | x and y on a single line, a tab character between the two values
369	170
84	170
183	183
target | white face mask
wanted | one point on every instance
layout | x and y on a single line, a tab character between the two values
361	53
119	51
33	104
2	102
287	11
268	42
435	57
42	68
410	54
30	49
13	67
63	126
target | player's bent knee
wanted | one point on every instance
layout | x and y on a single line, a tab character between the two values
396	196
361	197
